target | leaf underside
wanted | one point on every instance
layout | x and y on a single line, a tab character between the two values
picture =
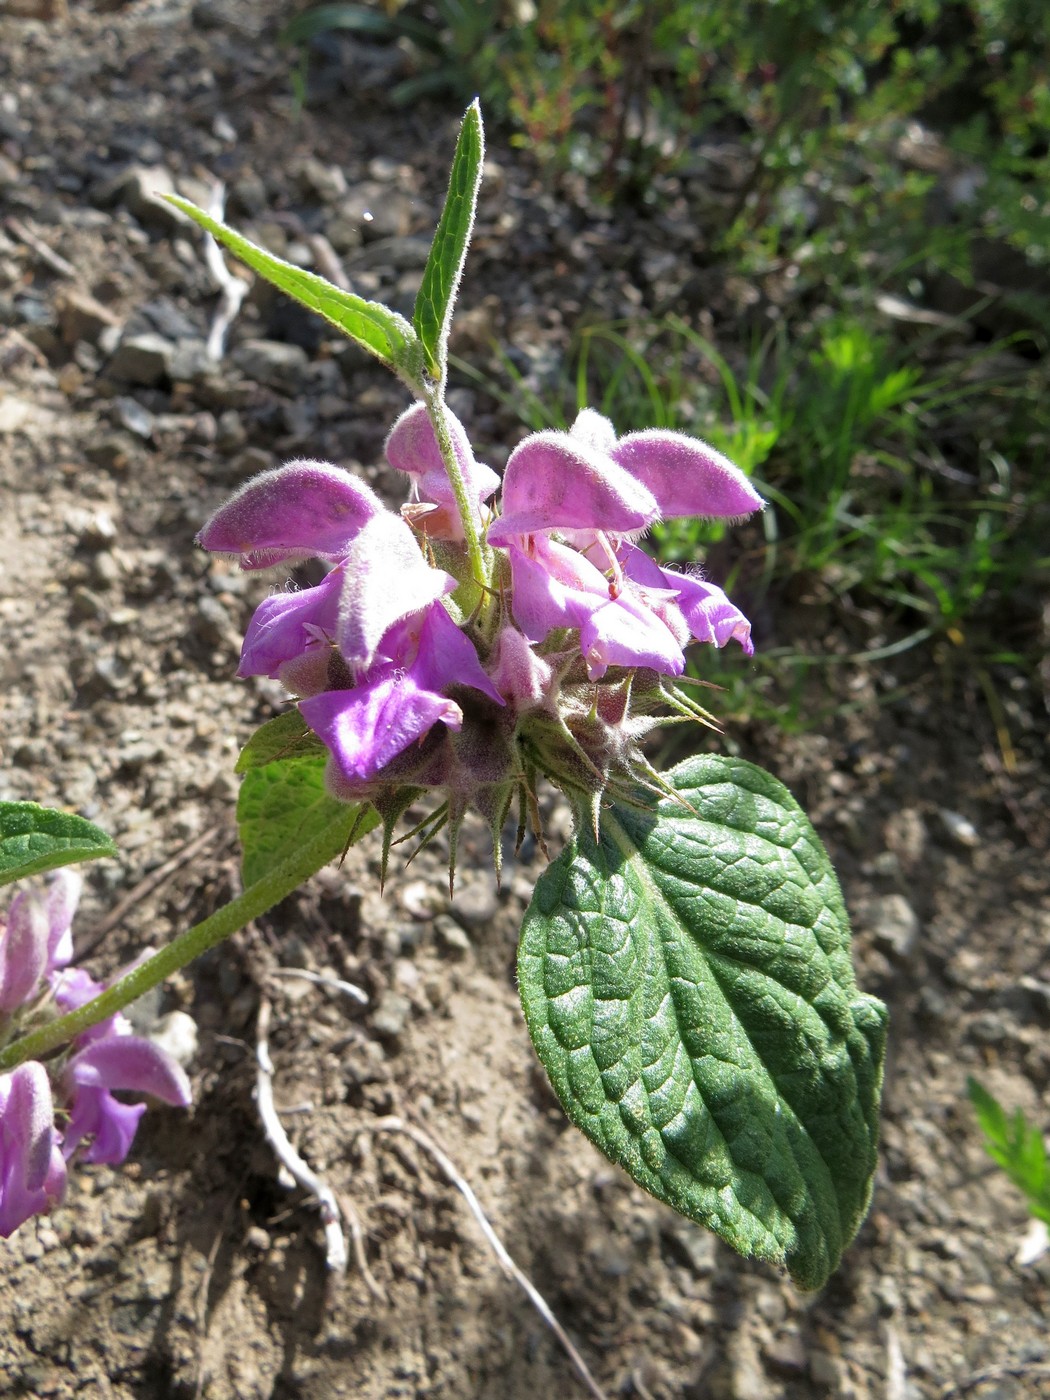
34	839
687	983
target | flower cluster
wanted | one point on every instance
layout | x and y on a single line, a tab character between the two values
417	673
36	947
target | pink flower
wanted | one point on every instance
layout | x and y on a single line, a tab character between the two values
32	1169
372	648
109	1057
571	505
412	448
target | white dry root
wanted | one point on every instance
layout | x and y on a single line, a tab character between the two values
335	1209
304	1176
234	289
450	1171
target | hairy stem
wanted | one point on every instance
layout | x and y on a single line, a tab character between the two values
434	399
287	876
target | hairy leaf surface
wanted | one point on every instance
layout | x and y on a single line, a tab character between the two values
283	805
384	333
448	252
687	983
34	839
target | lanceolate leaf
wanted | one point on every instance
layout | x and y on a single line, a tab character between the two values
437	292
374	327
687	984
35	838
283	805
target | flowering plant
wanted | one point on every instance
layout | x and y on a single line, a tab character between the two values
684	963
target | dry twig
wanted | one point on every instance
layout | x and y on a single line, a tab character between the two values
357	1238
421	1139
335	1243
336	984
234	289
43	252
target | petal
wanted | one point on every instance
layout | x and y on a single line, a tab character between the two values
594	430
287	624
27	1123
412	448
686	476
446	656
553	586
23	949
710	614
625	633
111	1124
386	580
295	512
365	728
72	988
63	896
555	482
527	680
133	1063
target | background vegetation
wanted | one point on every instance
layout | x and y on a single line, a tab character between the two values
889	216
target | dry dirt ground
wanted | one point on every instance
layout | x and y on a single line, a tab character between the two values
194	1271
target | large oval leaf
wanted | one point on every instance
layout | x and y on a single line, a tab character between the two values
687	983
33	839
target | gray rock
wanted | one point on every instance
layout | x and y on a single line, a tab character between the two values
451	936
326	182
475	905
134	416
190	361
391	1014
142	359
369	214
81	317
894	925
401	254
214	624
272	363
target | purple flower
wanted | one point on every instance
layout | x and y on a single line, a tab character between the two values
412	448
571	505
372	648
121	1062
32	1169
109	1057
298	511
398	699
37	938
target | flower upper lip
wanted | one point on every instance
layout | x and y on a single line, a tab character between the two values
298	511
587	479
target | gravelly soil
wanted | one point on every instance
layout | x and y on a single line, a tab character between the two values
194	1271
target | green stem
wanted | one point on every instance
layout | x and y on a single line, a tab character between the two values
434	399
287	876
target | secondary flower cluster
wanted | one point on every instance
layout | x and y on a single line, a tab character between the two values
402	646
36	947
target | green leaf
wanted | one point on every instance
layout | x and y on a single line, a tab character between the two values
35	838
432	315
287	736
326	18
283	805
377	329
687	983
1016	1146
